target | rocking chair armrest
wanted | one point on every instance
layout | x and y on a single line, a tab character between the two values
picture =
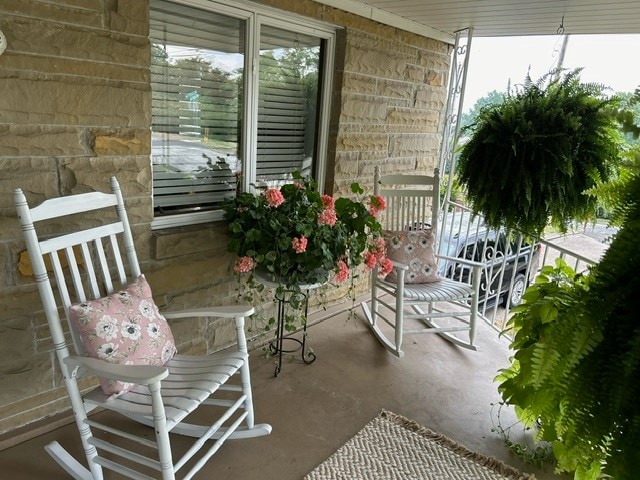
227	311
464	261
142	374
399	265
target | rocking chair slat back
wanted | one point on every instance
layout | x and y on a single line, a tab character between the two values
77	256
412	200
412	205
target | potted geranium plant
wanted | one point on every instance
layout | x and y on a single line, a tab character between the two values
297	236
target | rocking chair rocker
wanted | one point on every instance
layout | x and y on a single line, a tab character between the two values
412	208
160	396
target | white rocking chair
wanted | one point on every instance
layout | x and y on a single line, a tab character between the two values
164	395
412	204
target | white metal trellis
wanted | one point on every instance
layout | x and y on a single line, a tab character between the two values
453	112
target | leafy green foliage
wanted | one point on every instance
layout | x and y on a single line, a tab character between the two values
531	157
553	334
576	367
611	195
302	237
612	370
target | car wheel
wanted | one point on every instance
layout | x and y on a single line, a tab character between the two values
517	290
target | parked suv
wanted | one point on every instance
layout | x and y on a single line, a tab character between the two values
500	256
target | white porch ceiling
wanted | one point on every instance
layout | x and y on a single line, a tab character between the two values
495	18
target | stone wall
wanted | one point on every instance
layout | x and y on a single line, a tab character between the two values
75	110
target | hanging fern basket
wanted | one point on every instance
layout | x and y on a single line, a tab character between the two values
530	159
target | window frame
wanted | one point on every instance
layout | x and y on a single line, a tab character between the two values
255	16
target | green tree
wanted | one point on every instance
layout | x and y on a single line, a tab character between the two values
492	98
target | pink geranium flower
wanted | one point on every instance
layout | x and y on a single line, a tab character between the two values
343	271
386	266
379	248
274	197
299	244
328	201
370	260
328	217
376	204
244	265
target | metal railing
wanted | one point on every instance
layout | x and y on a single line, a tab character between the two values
512	260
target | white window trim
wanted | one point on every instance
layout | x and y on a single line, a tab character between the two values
256	15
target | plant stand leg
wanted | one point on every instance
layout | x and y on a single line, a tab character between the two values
277	345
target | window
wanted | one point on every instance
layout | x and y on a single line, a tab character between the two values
239	99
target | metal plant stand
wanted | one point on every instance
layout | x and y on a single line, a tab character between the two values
277	346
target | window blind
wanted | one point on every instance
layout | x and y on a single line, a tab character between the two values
286	103
196	77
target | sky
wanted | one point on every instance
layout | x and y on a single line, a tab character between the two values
611	60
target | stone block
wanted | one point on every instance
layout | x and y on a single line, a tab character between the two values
377	63
16	344
187	273
186	330
179	242
346	163
359	128
19	302
423	43
86	174
220	333
415	74
79	39
121	141
24	375
394	89
197	346
430	98
108	72
364	141
40	140
204	295
35	407
409	120
86	13
301	7
39	99
434	78
359	84
397	165
434	61
386	42
37	177
128	16
363	109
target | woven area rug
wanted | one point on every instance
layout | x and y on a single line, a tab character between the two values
391	447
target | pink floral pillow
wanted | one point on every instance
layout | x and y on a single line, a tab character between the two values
124	328
415	249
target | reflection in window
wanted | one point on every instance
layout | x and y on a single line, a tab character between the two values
196	77
287	99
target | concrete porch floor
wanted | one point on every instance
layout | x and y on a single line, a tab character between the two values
316	408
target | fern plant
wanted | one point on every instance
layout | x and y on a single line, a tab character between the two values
530	158
576	367
611	195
